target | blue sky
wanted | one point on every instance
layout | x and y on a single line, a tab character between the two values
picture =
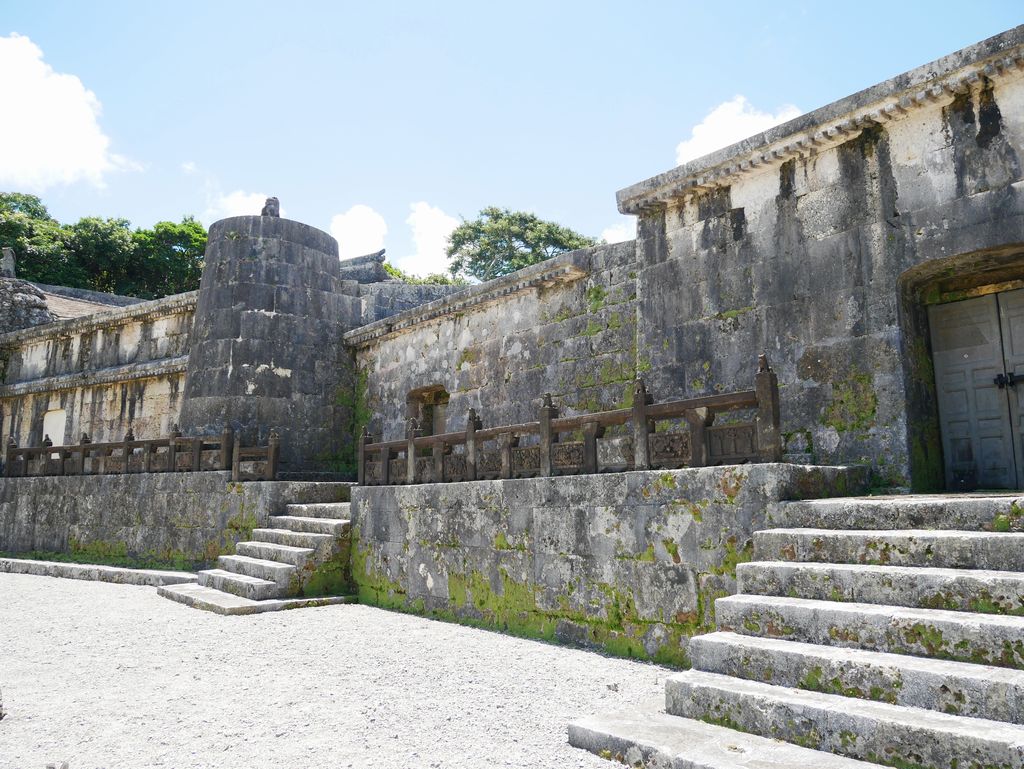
404	117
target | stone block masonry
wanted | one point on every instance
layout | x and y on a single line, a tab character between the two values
149	520
625	562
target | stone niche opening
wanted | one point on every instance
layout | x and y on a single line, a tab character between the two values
429	407
941	281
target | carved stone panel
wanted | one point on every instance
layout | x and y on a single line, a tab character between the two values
732	444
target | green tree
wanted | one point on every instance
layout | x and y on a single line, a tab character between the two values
104	250
38	240
169	258
433	278
500	241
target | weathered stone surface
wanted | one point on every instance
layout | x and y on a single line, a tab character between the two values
22	305
941	548
911	512
861	729
978	691
109	372
179	519
385	299
566	327
990	592
991	639
265	348
219	602
660	741
629	562
368	268
116	574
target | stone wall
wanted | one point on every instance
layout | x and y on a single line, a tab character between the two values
174	520
627	562
816	242
22	305
566	327
107	372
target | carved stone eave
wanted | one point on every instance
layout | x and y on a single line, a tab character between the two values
141	312
114	375
833	124
564	268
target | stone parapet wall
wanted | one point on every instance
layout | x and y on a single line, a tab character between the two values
626	562
177	520
566	326
106	372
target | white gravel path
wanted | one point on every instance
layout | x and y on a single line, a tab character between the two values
103	675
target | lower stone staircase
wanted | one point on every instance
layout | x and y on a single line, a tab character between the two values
869	631
300	559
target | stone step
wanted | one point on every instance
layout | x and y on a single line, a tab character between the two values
860	729
987	592
951	549
334	526
269	551
273	571
924	511
338	510
652	739
301	539
253	588
961	688
208	599
992	639
311	492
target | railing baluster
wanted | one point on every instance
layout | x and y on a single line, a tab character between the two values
641	427
227	443
699	420
548	437
364	440
592	430
472	425
766	385
273	455
507	442
385	466
412	432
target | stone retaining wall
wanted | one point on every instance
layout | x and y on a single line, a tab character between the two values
626	562
179	520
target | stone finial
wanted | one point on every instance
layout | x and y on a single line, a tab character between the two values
85	439
130	435
47	441
271	208
7	263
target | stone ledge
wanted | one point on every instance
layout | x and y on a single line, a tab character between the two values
141	312
834	123
563	268
126	373
96	572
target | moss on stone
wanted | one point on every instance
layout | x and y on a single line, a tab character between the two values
854	404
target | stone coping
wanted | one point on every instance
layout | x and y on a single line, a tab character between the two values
96	572
833	124
563	268
97	297
141	312
126	373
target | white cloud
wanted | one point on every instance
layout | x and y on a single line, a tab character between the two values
728	123
430	230
616	233
359	231
237	203
189	167
49	134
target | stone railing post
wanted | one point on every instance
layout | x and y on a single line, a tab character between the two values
127	450
473	423
12	446
412	432
385	466
591	432
769	438
227	440
172	451
273	456
699	420
236	458
364	440
548	439
642	427
506	443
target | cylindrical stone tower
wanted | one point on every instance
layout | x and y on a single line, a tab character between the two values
266	351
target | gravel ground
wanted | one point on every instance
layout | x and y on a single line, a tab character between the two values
103	675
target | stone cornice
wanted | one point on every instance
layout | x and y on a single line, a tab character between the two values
115	316
113	375
834	124
560	269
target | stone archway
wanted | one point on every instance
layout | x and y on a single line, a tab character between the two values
942	282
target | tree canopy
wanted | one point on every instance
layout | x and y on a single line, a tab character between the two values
500	241
101	254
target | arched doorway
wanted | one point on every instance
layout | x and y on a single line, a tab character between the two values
963	337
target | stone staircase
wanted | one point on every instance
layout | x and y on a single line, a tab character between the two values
868	631
300	559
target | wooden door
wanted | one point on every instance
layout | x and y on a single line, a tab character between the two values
974	411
